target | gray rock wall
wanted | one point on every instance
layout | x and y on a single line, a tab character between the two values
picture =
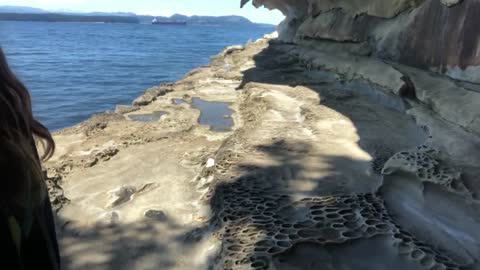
436	35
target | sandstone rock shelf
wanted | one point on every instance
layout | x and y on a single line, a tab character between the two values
335	161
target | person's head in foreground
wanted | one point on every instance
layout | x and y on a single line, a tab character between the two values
27	231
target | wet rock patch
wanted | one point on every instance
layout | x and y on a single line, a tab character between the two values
153	117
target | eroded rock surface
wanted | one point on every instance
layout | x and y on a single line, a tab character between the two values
336	160
430	34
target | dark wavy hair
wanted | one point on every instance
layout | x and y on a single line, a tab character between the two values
20	132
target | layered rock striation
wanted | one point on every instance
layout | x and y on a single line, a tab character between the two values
435	35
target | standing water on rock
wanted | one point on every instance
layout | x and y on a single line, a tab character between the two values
217	115
75	70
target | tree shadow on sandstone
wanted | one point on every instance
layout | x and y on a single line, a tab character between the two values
120	246
256	210
382	125
264	212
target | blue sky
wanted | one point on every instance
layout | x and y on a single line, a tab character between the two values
157	7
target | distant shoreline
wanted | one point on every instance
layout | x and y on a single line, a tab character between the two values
130	19
54	17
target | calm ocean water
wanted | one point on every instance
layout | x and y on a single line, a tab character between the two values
74	70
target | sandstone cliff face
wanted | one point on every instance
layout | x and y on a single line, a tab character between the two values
435	35
379	8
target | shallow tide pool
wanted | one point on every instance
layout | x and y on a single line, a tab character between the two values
217	115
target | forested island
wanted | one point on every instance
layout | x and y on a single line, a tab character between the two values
14	13
54	17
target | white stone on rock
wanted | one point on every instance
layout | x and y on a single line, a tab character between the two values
210	162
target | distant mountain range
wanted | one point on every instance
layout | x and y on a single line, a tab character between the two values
20	13
18	9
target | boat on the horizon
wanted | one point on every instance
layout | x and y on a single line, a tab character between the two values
156	22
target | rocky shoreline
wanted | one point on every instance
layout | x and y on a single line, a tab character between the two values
332	158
